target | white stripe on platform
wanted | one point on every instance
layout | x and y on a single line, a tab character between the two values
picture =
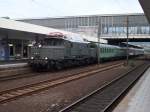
13	65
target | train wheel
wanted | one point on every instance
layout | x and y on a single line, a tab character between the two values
48	66
58	65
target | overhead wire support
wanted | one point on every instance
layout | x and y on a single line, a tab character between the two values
98	37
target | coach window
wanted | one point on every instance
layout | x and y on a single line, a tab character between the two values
101	50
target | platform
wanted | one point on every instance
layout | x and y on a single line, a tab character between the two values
12	65
138	98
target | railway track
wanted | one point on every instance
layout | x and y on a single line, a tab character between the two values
15	73
12	94
105	98
18	73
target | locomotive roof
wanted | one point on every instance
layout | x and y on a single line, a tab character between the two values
70	37
109	46
73	37
76	38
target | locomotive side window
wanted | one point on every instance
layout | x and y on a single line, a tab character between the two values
71	44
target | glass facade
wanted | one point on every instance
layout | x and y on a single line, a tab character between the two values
110	25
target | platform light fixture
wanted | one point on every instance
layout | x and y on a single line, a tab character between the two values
30	45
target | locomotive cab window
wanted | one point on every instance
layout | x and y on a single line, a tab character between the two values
54	42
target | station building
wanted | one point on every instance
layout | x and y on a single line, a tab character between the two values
14	45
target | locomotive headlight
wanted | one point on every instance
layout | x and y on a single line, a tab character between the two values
32	57
46	58
40	45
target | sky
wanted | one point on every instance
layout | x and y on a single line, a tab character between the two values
56	8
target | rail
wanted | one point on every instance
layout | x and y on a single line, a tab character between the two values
104	98
14	93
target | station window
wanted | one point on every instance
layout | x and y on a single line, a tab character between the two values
102	50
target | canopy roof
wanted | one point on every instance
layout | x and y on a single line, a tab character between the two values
36	29
146	7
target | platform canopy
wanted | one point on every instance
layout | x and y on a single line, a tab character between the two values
146	7
13	25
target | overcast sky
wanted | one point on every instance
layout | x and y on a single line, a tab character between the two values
52	8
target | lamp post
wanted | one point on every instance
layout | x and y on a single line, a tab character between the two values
127	34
